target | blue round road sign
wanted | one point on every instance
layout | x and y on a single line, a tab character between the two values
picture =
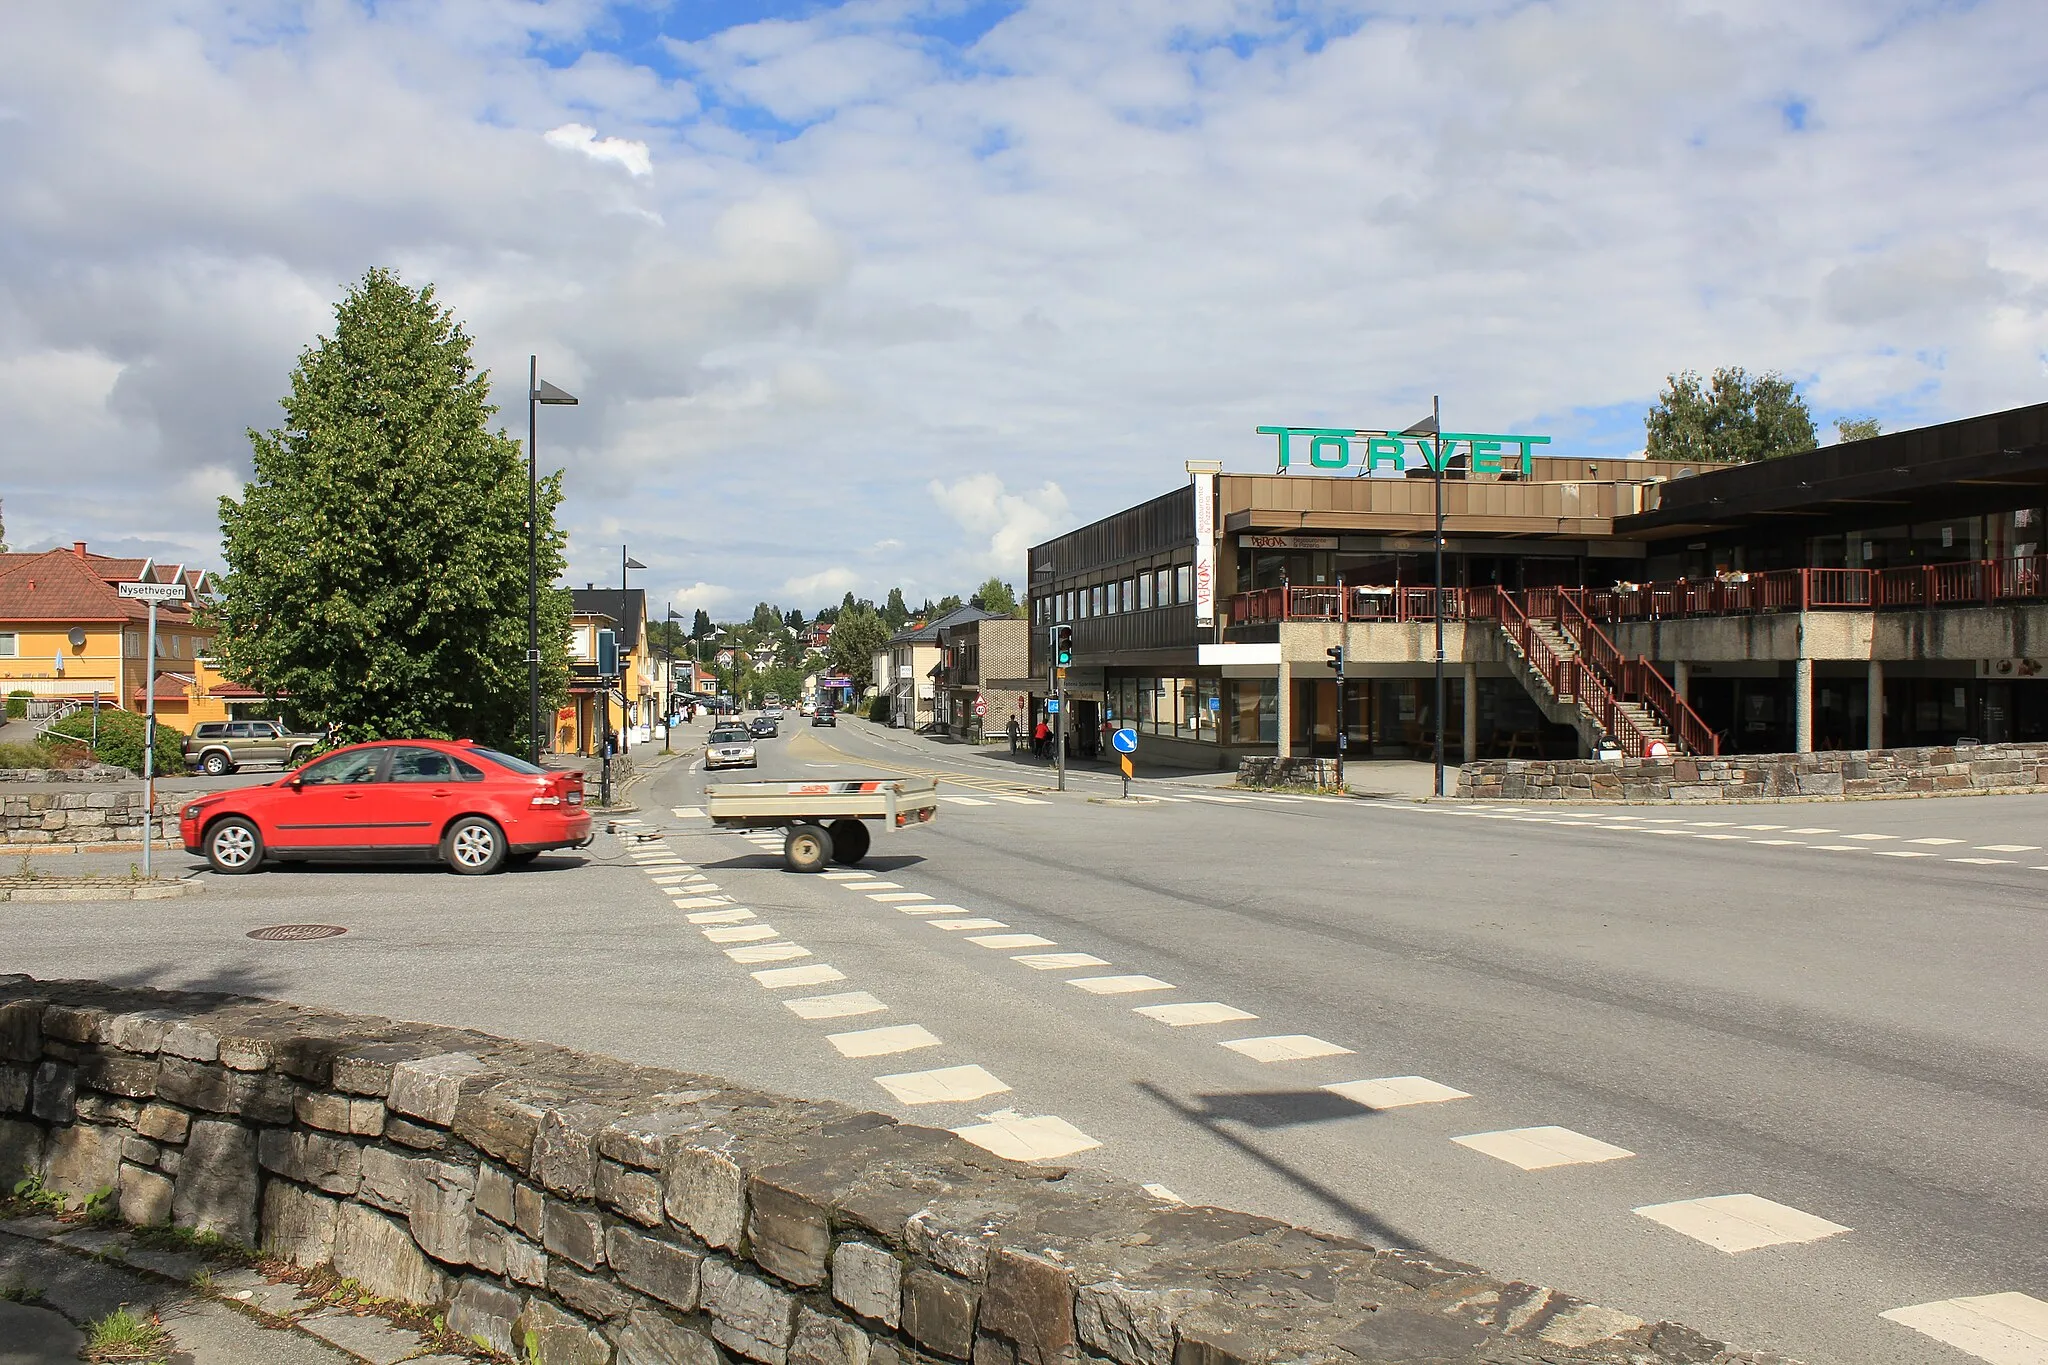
1125	740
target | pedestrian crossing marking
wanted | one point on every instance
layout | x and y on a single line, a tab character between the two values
1286	1047
719	916
964	801
882	1042
834	1006
975	922
1740	1222
768	952
1010	941
1871	838
1900	853
893	897
1983	862
2008	848
815	974
2004	1329
1009	1134
1120	985
943	1085
1538	1149
1055	962
1020	800
739	933
1194	1012
690	813
1935	841
1396	1092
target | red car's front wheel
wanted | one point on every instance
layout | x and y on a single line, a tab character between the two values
233	846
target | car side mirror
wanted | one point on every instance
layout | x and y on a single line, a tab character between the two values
296	782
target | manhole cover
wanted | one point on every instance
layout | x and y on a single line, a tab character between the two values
293	932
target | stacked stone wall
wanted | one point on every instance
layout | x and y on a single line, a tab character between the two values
591	1212
1984	768
42	813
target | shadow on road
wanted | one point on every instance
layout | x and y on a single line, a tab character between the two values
1269	1110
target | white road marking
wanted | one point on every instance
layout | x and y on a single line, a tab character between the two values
1204	1012
1710	824
702	902
690	813
1010	1134
1739	1222
1226	800
672	878
1838	848
816	974
1536	1149
768	952
2005	1329
1285	1047
2008	848
976	922
1118	985
946	1084
1811	829
1396	1092
740	933
1779	843
734	916
1161	1193
1010	941
1983	862
1764	827
1739	838
846	876
1020	800
1934	841
963	801
895	897
1871	837
1057	962
881	1042
623	820
834	1006
1900	853
872	886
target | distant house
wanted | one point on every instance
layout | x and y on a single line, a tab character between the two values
914	654
67	634
986	659
635	698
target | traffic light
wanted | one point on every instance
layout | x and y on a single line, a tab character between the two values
1336	653
1063	645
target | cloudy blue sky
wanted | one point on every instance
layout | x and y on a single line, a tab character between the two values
886	291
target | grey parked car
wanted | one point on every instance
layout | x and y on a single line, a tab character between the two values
217	747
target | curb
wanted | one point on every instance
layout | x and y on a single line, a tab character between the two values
110	890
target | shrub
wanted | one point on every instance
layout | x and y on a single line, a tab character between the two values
878	709
120	740
17	704
38	754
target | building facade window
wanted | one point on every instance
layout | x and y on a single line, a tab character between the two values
1144	591
1115	596
1184	583
1130	595
1165	577
10	644
1095	600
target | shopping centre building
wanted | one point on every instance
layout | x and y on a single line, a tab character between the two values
1878	593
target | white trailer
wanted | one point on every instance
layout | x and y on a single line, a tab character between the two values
822	821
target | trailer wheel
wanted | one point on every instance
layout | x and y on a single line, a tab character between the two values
806	848
849	842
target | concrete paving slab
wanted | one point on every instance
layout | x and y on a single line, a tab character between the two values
37	1336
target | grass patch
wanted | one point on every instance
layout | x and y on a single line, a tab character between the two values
20	1291
128	1337
205	1243
31	1196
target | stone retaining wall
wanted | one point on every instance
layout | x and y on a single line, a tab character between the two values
597	1213
1270	770
1749	777
38	816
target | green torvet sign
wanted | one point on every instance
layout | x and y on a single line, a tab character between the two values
1330	448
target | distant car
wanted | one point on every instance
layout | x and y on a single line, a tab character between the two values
417	799
763	726
825	715
219	747
773	712
730	746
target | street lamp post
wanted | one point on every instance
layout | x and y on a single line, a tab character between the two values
1432	427
538	391
604	701
668	701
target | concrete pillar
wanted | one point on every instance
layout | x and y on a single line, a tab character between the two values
1874	723
1802	705
1286	708
1681	679
1471	749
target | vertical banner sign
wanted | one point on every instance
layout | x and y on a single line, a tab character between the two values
1205	548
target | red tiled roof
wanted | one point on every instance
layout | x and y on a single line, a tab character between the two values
169	687
229	691
59	585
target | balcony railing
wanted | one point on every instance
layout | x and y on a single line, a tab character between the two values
1402	602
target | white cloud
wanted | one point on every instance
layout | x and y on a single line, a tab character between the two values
826	586
710	597
1019	280
580	137
1008	523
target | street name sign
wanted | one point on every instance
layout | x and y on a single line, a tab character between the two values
152	592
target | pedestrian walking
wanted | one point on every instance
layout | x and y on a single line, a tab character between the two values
1012	729
1039	735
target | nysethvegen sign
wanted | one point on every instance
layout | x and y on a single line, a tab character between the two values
1330	448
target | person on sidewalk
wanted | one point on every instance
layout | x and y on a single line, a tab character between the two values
1011	729
1039	735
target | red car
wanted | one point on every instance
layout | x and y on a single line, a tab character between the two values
473	808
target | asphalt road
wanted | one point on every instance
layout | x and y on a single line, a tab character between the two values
1836	1007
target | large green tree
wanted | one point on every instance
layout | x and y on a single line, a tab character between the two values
894	610
1732	418
856	637
996	596
377	564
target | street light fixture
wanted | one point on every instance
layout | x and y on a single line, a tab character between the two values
604	701
538	391
1432	426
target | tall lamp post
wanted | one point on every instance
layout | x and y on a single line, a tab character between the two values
604	706
538	391
668	701
1432	427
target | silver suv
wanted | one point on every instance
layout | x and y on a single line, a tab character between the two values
218	747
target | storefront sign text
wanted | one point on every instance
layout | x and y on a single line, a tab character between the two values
1332	448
